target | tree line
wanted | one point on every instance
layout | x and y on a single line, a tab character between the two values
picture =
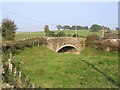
74	27
94	27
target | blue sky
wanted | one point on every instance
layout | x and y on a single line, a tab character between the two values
33	16
119	14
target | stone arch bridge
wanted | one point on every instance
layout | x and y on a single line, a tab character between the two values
66	44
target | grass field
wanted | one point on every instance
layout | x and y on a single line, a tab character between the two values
84	33
92	68
22	35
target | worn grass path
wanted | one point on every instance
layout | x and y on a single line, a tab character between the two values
92	68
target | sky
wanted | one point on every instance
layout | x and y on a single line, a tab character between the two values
33	16
119	14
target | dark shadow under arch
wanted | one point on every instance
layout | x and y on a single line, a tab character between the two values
68	49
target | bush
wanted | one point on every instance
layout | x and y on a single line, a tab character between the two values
69	35
60	34
91	39
51	33
74	35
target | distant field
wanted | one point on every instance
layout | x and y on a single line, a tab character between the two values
22	35
48	69
84	33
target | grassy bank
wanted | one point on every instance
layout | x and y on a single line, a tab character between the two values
92	68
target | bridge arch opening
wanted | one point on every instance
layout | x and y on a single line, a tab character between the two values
68	49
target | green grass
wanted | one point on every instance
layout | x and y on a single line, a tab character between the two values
84	33
22	35
92	68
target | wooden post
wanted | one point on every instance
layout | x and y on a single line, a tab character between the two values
9	62
10	56
9	65
108	48
38	44
33	43
33	86
15	72
19	74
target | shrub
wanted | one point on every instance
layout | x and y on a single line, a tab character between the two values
91	39
69	35
51	33
15	46
60	34
74	35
